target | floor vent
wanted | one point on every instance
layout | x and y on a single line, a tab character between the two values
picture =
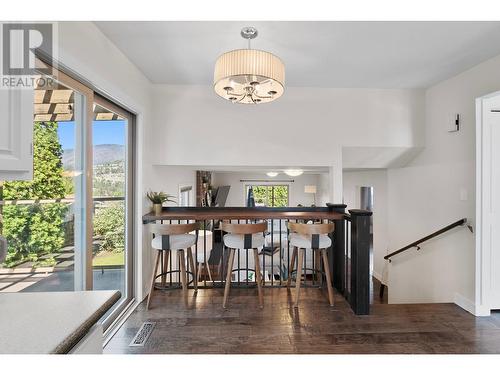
143	334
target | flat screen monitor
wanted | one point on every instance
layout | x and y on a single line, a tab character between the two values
221	196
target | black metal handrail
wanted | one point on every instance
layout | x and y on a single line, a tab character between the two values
418	242
426	238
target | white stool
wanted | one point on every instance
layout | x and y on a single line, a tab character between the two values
244	236
173	237
205	237
310	236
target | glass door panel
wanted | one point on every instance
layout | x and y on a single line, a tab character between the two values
43	219
111	248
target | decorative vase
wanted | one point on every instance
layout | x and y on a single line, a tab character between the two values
157	208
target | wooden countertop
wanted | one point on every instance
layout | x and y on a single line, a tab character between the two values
49	322
242	213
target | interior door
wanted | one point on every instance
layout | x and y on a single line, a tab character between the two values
490	194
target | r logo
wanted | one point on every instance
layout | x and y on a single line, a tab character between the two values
21	42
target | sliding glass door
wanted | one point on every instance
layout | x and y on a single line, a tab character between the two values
45	220
71	227
112	180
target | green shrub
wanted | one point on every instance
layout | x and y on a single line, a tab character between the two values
33	230
109	223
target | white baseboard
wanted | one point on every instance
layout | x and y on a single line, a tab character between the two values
470	306
482	311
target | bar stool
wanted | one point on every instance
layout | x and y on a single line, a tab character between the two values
309	236
173	237
243	236
205	238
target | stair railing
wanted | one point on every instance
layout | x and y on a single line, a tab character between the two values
461	222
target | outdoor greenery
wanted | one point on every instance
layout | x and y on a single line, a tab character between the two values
270	195
36	232
109	179
109	259
36	229
109	227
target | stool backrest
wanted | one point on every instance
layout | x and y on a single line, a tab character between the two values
169	229
244	228
309	229
312	230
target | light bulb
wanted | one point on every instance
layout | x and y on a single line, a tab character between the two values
294	172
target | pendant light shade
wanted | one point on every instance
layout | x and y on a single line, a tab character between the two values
293	172
249	76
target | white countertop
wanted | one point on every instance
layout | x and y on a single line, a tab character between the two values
50	322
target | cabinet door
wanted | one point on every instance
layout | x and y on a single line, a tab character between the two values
16	134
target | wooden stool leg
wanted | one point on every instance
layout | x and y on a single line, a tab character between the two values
166	258
317	266
228	277
153	278
164	267
182	261
328	276
193	269
258	277
207	266
198	273
290	267
299	276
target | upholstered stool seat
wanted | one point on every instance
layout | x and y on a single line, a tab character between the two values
245	237
176	242
176	238
315	237
237	241
304	241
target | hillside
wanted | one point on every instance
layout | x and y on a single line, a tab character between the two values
103	154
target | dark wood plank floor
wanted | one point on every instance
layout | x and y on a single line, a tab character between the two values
200	325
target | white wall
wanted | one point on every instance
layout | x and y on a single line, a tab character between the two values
426	195
85	50
378	179
324	187
236	196
170	178
305	127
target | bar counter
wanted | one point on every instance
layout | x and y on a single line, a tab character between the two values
348	255
244	213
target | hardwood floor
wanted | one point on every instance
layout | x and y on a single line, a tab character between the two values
200	325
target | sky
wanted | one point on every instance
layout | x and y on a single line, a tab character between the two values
103	132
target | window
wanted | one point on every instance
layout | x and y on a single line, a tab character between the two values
185	196
269	195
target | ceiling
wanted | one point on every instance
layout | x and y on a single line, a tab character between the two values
316	54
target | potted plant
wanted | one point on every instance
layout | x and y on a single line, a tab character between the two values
158	198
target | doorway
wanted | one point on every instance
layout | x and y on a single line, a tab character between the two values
487	204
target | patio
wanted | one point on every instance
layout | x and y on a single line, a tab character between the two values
60	277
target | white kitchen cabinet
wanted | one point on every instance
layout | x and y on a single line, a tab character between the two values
16	134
